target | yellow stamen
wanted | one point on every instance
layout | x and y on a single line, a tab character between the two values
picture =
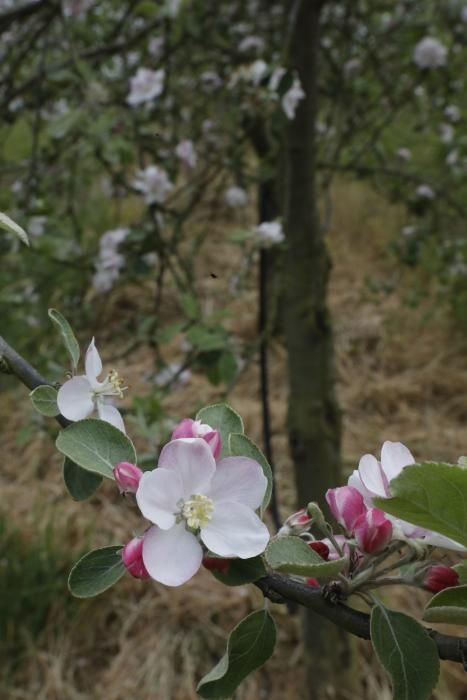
197	511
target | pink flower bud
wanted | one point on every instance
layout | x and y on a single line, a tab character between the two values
301	518
320	548
313	582
127	477
216	564
439	577
189	428
346	504
373	531
132	557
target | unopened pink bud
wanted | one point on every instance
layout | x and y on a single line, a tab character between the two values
313	582
216	564
320	548
127	476
346	504
132	557
373	531
189	428
439	577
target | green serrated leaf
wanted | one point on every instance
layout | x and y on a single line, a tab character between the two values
250	645
71	344
81	484
407	653
431	495
44	400
241	446
223	418
96	446
241	571
291	555
11	226
449	606
96	572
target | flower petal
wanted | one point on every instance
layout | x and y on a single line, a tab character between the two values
372	476
158	494
239	479
74	399
441	541
192	460
235	531
110	414
171	556
355	481
93	363
394	457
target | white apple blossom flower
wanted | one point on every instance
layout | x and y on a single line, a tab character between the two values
404	154
257	71
276	77
250	44
191	500
36	226
210	80
156	46
446	133
186	152
452	112
352	68
110	261
173	7
154	183
372	479
291	98
425	192
408	230
452	157
80	396
269	233
235	197
145	85
430	53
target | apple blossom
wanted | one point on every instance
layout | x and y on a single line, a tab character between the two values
145	85
439	577
127	476
291	98
189	428
186	152
235	197
80	396
373	531
191	499
110	261
132	558
154	183
430	53
425	192
269	233
346	504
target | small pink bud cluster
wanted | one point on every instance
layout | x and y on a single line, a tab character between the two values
189	428
127	476
132	557
296	523
439	577
372	530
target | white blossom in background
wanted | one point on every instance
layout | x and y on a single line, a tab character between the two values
352	68
446	133
425	192
404	154
210	80
408	230
235	197
257	71
172	373
192	500
76	8
186	152
156	46
464	14
452	112
154	183
36	226
419	91
251	43
173	7
430	53
452	157
145	85
291	98
109	261
276	77
151	259
80	396
269	233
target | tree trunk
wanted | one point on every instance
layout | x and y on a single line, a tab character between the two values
314	418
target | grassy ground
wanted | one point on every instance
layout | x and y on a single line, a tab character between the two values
401	376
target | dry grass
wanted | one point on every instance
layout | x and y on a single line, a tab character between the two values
400	377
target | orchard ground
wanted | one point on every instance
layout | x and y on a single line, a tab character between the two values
401	376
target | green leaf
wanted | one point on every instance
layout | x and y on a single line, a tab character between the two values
44	400
461	569
11	226
431	495
250	645
291	555
223	418
96	572
242	571
241	446
449	605
67	334
80	483
407	653
96	446
227	366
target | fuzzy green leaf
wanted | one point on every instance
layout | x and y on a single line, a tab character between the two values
69	340
241	446
11	226
449	606
291	555
241	571
250	645
96	572
80	483
44	400
223	418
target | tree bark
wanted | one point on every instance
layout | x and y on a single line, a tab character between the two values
313	419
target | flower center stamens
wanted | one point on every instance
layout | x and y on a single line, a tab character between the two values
197	511
113	385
